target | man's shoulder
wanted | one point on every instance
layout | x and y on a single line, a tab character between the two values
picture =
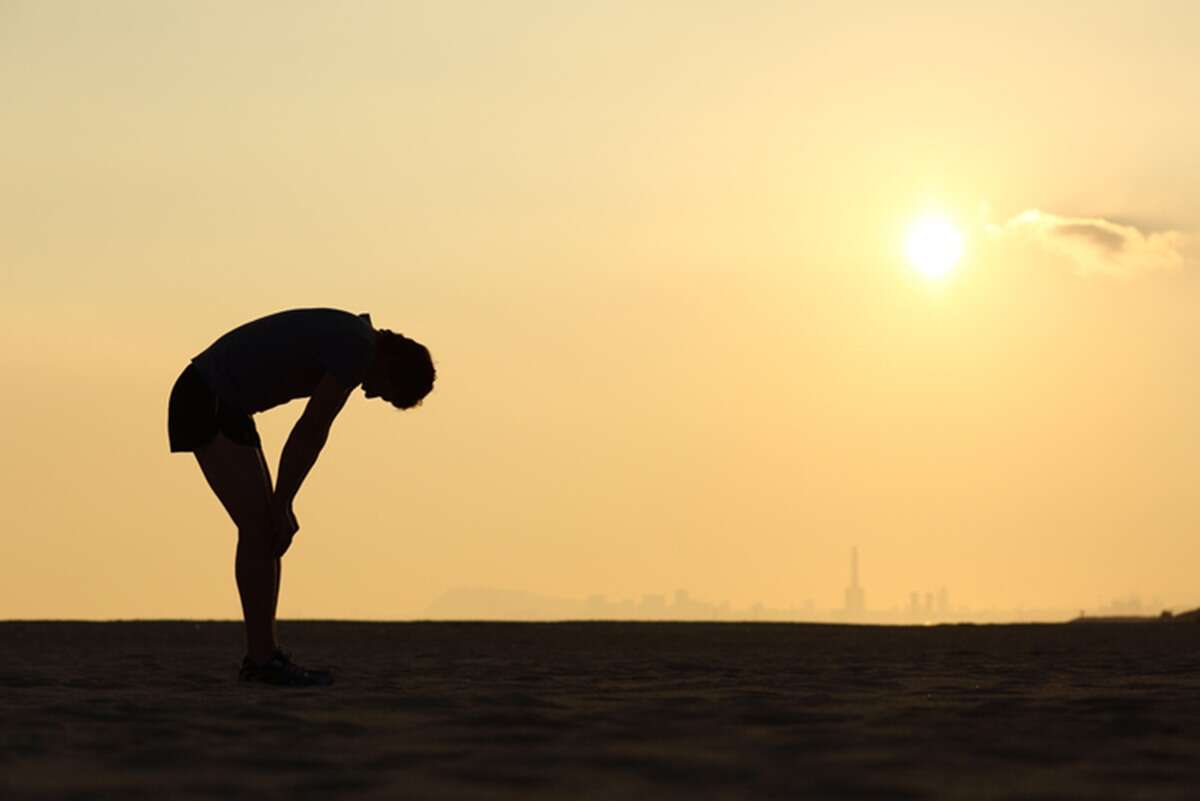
313	319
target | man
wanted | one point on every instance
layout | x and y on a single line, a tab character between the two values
321	354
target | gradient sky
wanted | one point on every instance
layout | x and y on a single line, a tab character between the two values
657	252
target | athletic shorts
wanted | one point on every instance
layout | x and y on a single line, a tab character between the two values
195	415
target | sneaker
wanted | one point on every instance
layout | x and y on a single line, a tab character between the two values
281	671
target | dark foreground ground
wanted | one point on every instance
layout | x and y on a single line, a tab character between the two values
605	711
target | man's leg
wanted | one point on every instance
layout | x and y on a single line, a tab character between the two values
266	471
278	584
258	587
238	476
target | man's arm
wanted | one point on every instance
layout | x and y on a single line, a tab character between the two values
299	455
308	436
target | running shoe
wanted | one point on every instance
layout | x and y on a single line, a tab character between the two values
281	671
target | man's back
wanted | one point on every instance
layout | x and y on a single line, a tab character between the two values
280	357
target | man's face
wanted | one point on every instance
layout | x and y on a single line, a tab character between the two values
373	384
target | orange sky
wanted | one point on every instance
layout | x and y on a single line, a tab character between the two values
658	257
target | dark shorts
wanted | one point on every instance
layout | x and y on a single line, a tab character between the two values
195	415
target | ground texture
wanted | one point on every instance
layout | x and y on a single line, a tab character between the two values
605	711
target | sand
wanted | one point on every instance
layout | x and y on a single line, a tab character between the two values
605	711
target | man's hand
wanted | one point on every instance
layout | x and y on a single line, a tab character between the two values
284	521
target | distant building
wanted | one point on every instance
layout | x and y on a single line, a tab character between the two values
654	606
855	597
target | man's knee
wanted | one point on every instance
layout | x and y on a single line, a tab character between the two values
256	542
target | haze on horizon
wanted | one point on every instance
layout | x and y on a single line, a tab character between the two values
658	255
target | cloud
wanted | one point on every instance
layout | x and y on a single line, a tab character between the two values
1094	245
1100	236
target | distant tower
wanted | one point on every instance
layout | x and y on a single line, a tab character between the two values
854	593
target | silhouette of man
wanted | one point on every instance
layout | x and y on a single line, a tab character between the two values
321	354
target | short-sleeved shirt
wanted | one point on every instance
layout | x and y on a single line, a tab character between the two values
280	357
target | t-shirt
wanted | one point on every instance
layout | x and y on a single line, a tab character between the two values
280	357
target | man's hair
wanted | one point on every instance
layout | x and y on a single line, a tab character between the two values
409	369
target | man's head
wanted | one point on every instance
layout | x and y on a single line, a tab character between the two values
402	372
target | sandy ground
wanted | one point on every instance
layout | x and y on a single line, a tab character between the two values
605	711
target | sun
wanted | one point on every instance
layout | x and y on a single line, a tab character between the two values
934	246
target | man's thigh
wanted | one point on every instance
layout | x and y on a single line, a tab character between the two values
239	477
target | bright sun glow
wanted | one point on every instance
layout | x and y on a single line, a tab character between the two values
934	246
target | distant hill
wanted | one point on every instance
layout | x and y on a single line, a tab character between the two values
1192	616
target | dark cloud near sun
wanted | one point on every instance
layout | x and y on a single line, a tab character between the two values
1103	238
1095	245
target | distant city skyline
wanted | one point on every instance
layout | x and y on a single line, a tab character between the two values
931	604
493	603
920	607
